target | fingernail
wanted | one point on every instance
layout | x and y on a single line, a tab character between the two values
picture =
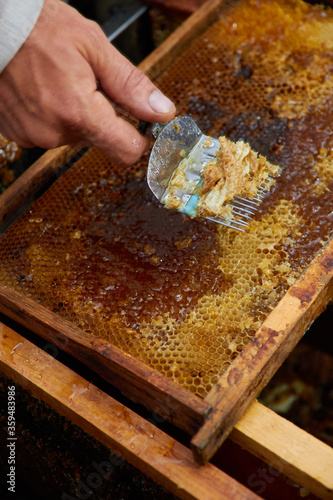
160	103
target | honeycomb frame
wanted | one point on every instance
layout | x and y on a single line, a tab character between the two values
271	88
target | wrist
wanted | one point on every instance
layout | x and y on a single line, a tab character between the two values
17	20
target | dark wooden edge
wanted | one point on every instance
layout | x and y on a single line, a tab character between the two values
33	179
179	40
135	379
253	368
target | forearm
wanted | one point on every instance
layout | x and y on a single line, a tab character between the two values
17	20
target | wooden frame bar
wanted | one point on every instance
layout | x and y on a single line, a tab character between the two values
215	416
162	56
286	448
33	179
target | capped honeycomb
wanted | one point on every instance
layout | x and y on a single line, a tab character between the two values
9	152
186	296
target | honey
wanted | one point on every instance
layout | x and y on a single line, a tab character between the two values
182	295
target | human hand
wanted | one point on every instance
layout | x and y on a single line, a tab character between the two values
49	92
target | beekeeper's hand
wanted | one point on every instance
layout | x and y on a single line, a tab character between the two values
50	91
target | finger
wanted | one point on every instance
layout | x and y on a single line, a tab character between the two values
115	137
127	85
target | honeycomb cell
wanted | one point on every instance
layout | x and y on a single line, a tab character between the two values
183	296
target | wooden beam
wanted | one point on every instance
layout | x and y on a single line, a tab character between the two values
286	448
123	431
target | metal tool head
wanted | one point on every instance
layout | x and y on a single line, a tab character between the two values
174	141
182	139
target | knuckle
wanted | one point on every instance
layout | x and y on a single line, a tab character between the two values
93	27
122	154
42	135
94	34
47	144
132	155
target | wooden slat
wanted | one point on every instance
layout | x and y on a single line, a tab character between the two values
287	448
180	39
135	379
253	368
35	177
138	441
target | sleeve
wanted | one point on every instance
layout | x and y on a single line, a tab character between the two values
17	19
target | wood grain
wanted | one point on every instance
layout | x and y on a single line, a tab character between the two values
252	368
286	448
281	444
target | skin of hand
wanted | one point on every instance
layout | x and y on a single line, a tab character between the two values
50	91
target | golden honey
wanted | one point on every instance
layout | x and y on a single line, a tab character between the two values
182	295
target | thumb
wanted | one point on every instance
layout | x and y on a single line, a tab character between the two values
128	86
